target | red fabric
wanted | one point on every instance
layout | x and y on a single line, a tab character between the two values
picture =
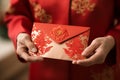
100	18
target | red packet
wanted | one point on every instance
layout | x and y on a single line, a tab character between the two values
60	41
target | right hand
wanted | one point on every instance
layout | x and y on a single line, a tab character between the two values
26	48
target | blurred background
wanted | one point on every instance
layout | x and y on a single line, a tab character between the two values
10	67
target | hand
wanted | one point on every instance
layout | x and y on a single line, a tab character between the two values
97	51
26	49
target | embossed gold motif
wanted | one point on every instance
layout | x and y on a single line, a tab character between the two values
59	33
82	6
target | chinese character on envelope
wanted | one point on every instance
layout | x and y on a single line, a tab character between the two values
60	41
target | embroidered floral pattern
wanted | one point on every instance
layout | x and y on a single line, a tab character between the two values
82	6
40	14
59	33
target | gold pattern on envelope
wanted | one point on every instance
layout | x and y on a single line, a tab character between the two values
59	33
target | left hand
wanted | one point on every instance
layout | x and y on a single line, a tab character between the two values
97	51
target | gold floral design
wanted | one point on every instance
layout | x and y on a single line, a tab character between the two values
82	6
40	14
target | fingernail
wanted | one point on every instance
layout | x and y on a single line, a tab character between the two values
73	62
83	54
34	50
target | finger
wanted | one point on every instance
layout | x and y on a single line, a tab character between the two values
34	58
90	50
22	53
84	62
29	58
31	47
74	62
97	58
25	39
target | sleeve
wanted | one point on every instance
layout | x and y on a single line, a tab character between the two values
115	32
18	18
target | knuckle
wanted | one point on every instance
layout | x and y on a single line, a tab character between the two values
95	42
32	47
24	38
30	44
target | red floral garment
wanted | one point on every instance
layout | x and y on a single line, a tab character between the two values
40	14
83	6
98	14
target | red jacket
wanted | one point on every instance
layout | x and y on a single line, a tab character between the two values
102	16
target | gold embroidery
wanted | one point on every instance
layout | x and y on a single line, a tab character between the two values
40	14
82	6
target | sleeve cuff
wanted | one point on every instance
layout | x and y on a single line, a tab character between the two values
116	35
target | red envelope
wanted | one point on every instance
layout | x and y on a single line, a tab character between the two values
60	41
